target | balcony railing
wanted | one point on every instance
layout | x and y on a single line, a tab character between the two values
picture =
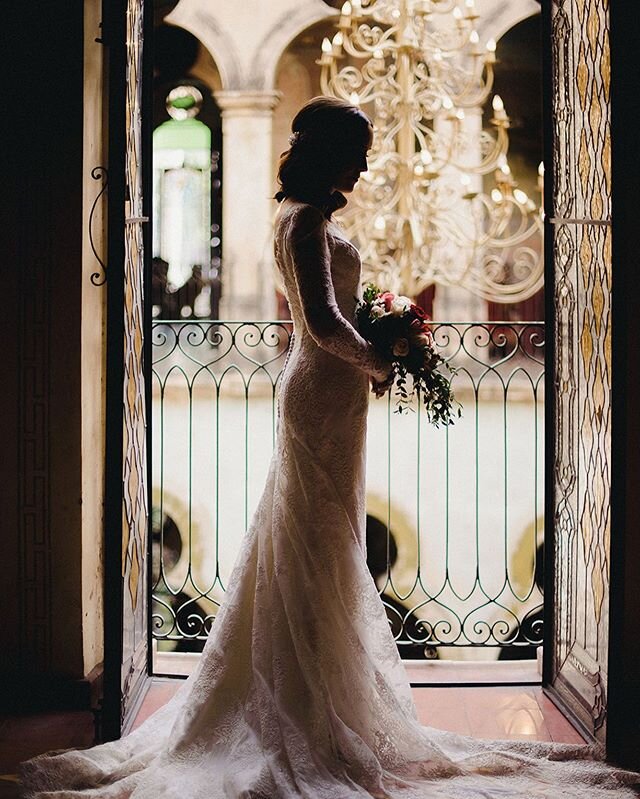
454	525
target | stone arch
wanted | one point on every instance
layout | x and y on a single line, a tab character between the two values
281	35
209	32
498	17
252	66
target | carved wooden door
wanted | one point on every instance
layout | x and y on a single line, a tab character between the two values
127	490
578	230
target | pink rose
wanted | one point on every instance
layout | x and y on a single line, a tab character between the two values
388	298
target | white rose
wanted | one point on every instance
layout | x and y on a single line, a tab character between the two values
400	305
377	311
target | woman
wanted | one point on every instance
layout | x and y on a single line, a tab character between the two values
300	693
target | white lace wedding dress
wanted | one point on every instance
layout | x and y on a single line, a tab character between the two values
300	693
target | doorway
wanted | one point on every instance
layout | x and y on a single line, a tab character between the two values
578	355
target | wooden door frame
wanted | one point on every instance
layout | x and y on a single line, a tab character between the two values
113	24
623	739
550	350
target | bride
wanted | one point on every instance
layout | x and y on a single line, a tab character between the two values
299	692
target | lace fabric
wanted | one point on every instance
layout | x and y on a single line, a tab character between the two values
300	692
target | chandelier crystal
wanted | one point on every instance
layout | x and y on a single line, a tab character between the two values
420	215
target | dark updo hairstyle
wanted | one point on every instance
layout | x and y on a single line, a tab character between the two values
326	135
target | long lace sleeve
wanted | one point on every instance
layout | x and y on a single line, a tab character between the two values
309	250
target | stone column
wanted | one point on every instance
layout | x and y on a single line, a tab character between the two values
247	212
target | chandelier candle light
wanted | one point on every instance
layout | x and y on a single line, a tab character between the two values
419	216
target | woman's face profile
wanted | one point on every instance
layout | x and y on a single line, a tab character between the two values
355	163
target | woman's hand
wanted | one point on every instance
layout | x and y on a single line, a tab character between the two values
382	385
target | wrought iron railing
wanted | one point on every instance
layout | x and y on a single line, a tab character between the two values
454	525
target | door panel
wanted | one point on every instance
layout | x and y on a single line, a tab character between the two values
135	512
127	511
579	227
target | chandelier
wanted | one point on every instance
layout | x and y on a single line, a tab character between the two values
421	215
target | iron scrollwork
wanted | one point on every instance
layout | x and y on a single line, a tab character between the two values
98	173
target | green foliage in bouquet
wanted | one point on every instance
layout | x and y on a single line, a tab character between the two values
403	326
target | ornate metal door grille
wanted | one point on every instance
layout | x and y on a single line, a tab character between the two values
465	580
126	514
579	227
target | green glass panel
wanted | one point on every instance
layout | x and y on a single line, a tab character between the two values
182	134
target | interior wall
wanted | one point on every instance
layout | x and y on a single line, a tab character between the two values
51	468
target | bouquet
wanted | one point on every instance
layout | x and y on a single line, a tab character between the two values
400	331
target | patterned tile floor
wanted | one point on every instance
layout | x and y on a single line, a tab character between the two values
516	712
